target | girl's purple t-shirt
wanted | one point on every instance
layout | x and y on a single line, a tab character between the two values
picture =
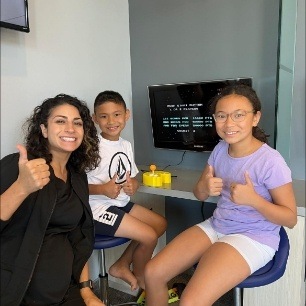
267	170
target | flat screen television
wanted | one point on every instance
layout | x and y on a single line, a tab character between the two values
180	114
14	15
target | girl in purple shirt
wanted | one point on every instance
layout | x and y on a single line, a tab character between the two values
256	197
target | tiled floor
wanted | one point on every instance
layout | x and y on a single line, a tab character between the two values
118	297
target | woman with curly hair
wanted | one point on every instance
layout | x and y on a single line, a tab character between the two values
47	230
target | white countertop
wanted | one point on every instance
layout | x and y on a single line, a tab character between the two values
184	180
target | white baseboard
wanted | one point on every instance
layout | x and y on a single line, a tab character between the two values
121	286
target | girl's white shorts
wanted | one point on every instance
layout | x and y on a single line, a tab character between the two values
256	254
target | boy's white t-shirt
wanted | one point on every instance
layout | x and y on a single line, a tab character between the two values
116	157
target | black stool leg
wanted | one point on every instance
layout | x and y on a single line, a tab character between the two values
103	278
103	282
238	296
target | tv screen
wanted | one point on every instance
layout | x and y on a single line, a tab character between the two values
180	114
14	15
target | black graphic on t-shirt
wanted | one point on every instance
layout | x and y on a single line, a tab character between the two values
121	169
120	164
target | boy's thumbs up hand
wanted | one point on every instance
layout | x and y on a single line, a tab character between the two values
131	185
112	189
33	174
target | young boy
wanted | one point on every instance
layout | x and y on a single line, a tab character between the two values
110	186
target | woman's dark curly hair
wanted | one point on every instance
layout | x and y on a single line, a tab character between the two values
247	92
86	156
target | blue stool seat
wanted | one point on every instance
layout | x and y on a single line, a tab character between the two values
106	242
103	242
271	272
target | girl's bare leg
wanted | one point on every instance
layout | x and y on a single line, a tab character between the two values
220	269
179	255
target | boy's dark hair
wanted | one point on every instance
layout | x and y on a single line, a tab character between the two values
109	96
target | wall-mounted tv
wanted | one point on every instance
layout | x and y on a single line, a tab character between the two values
14	15
180	114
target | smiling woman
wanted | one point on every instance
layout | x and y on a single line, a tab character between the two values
44	191
64	130
85	156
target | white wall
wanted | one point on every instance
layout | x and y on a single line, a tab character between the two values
77	47
291	87
297	143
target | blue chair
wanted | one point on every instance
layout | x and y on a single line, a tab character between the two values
103	242
271	272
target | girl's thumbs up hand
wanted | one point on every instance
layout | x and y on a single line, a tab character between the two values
242	193
213	185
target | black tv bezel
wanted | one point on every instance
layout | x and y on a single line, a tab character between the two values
179	145
16	27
